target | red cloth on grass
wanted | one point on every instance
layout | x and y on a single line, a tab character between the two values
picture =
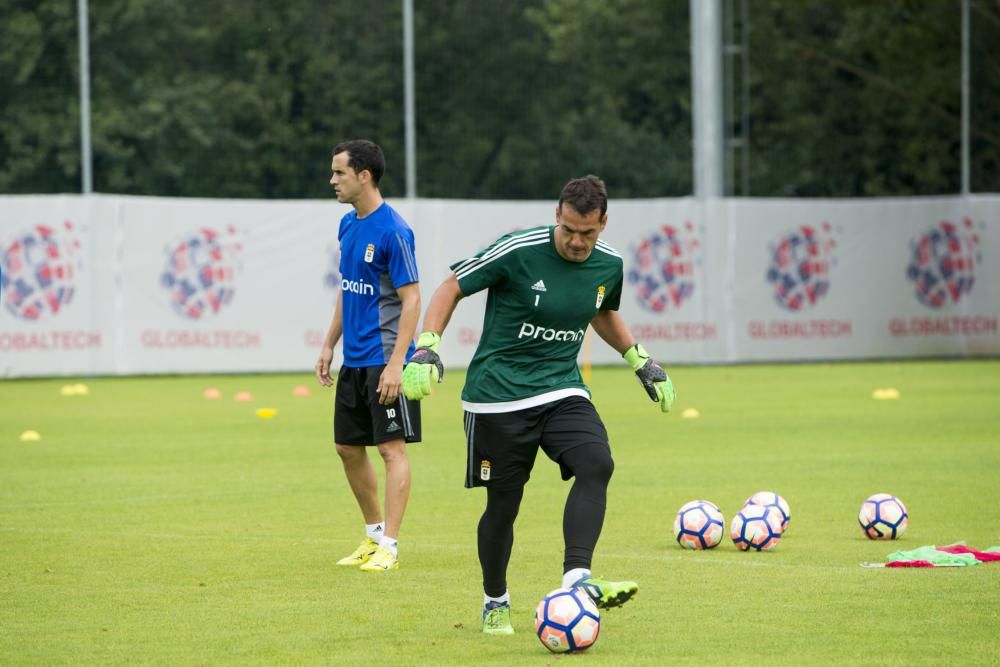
982	556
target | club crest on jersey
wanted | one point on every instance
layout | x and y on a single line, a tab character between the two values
370	253
600	296
484	470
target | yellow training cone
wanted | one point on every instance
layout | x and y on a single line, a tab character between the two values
30	436
690	413
266	413
887	394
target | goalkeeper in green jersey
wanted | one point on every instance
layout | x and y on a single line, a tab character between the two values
524	390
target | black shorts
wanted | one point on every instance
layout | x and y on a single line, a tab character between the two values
358	417
501	447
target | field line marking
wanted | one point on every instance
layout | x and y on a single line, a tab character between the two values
129	499
172	536
336	542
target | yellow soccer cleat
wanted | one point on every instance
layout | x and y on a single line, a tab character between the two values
361	554
381	560
607	594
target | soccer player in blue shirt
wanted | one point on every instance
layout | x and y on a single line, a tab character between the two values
376	315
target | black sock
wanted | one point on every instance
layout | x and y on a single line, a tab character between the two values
496	537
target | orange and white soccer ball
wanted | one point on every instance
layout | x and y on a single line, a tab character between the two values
567	621
883	517
772	499
756	528
699	525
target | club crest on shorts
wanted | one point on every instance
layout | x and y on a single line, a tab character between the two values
370	253
484	470
600	296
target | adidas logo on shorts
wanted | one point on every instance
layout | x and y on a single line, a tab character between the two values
539	286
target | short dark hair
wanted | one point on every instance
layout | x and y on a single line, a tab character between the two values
364	155
585	194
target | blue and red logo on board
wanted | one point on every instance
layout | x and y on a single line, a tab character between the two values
943	263
799	268
201	271
38	271
663	267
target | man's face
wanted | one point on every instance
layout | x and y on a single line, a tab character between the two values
576	235
345	181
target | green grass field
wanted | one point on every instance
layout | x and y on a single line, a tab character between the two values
149	525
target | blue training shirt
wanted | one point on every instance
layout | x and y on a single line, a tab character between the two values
376	257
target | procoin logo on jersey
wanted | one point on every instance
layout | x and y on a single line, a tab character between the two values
529	330
370	253
357	287
600	296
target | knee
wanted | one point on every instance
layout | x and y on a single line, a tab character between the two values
503	503
606	467
350	453
597	468
393	453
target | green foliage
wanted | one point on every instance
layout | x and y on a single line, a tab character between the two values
984	65
238	99
245	99
150	526
526	96
39	97
625	66
864	99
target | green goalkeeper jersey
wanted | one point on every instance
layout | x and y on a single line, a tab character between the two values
537	311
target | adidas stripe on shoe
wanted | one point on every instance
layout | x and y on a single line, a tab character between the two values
381	560
361	554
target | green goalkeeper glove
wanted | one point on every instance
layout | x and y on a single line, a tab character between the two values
424	366
654	379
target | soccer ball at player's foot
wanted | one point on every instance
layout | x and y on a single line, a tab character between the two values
772	499
699	525
883	517
567	621
756	527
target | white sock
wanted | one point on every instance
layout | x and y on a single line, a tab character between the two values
503	598
375	530
389	543
574	575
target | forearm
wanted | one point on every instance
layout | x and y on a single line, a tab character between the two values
612	329
336	329
442	305
610	326
408	318
425	365
333	334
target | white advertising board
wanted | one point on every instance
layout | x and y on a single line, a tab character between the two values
106	284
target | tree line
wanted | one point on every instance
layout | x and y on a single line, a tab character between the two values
245	99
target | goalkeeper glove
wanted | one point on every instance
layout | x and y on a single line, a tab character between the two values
424	365
654	379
